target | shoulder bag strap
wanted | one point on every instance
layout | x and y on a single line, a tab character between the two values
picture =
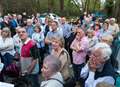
57	80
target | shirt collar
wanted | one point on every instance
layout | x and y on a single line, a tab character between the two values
28	39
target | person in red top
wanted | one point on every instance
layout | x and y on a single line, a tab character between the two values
29	58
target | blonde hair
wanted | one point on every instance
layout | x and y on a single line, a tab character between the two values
107	38
104	84
6	29
59	40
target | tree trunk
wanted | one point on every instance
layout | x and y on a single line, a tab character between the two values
95	2
116	9
85	8
1	9
88	6
61	5
49	5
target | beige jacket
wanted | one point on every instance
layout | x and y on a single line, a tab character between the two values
65	60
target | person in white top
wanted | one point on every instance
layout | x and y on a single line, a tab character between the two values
99	68
6	46
113	26
17	41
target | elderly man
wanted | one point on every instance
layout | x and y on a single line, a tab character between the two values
53	33
99	68
29	58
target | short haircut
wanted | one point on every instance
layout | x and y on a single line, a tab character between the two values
22	28
59	40
53	63
105	48
55	22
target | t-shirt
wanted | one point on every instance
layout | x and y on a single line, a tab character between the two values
30	49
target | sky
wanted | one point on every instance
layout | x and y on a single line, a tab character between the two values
101	1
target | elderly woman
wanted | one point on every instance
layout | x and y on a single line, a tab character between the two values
99	68
6	46
80	47
113	26
107	39
50	71
59	51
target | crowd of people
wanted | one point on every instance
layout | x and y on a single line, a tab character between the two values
89	48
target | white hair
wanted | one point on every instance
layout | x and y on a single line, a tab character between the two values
112	19
105	48
53	63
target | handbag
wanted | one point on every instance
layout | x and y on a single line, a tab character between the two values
70	81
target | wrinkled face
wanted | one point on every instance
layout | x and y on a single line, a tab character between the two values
46	71
22	34
97	58
54	26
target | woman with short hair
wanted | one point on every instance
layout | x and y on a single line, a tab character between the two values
50	71
6	46
59	51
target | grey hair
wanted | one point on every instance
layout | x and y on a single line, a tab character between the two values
53	63
6	29
105	48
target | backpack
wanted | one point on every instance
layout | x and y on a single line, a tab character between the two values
70	82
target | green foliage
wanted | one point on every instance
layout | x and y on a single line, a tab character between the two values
109	7
70	7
